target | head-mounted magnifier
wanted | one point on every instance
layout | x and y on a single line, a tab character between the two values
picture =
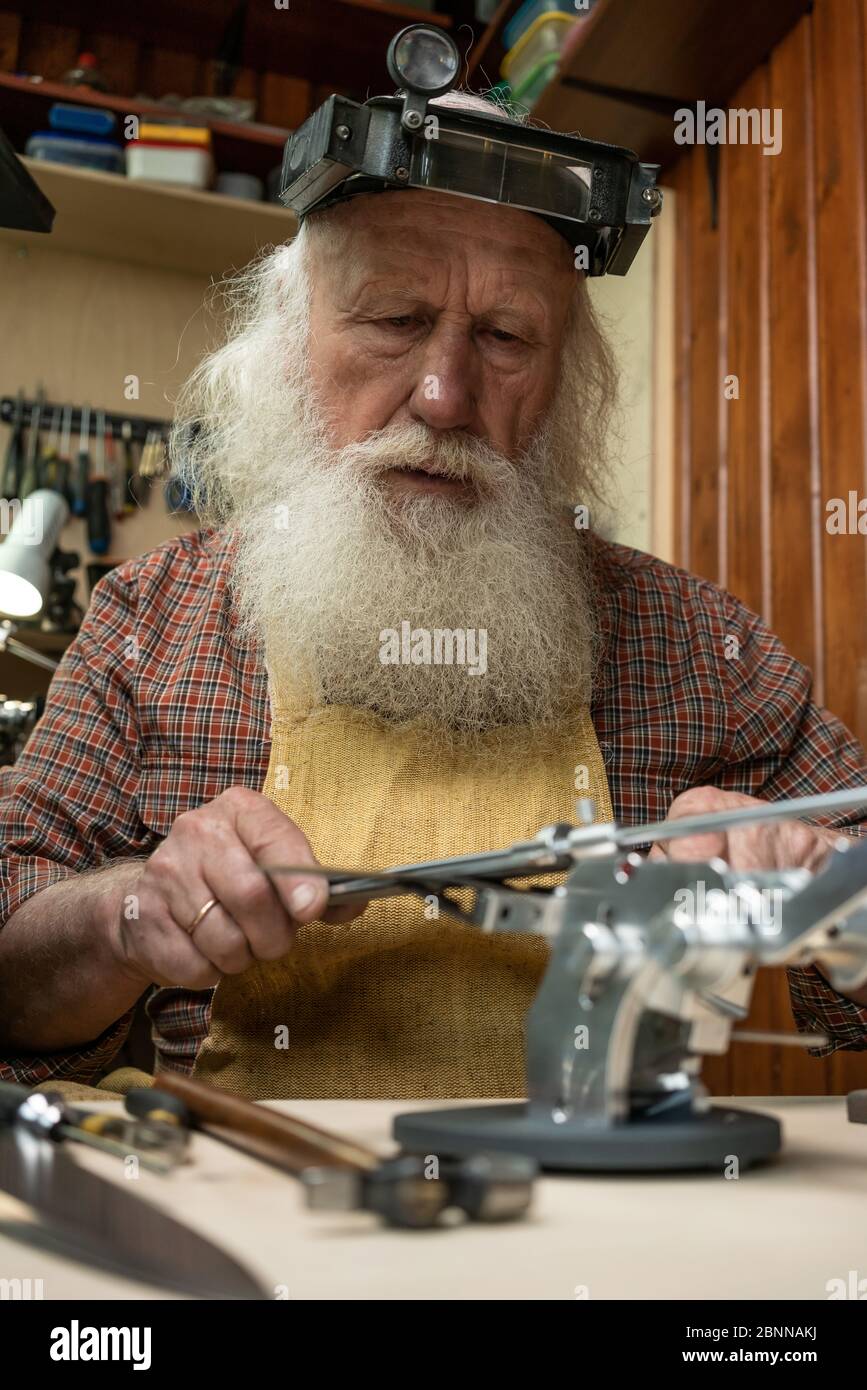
599	197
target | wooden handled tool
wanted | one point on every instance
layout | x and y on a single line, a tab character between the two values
294	1143
338	1173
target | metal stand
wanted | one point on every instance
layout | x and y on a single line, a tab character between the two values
701	1139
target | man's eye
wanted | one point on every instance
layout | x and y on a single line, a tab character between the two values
400	321
502	336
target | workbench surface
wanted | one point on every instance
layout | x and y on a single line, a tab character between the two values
780	1231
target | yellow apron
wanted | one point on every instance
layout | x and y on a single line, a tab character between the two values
397	1003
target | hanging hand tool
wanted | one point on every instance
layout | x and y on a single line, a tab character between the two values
339	1174
62	462
45	463
138	486
103	1221
153	459
14	461
126	466
30	477
115	471
81	468
98	516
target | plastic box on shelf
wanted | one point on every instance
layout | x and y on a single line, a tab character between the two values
78	151
189	166
542	41
78	136
535	81
527	15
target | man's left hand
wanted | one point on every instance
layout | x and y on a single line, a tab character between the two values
770	845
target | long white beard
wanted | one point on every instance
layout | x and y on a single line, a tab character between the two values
329	562
328	558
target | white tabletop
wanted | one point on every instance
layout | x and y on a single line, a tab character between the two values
782	1230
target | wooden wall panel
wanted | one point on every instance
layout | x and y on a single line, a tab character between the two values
842	280
842	306
744	462
51	49
742	384
704	357
10	40
794	604
118	58
776	293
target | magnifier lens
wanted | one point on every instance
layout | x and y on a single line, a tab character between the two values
426	61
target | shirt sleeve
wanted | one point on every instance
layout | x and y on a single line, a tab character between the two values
69	802
795	748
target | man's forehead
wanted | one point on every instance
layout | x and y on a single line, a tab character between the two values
384	226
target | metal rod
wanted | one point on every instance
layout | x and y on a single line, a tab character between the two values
28	654
781	1039
729	820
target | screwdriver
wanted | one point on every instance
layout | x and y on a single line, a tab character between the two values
125	467
14	451
98	517
81	471
30	478
45	467
153	459
62	463
116	468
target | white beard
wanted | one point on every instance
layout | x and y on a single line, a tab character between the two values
329	560
329	557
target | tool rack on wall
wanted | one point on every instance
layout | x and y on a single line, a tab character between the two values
141	427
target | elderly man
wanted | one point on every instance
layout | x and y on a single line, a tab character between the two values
413	397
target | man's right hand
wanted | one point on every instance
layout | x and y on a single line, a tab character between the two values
213	852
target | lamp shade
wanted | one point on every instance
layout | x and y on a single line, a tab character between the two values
31	539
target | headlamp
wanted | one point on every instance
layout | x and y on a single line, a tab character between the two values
424	62
599	197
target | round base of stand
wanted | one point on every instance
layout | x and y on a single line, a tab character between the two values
707	1139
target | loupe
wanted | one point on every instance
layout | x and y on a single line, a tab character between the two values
424	62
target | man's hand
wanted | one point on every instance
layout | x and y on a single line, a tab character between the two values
771	845
212	852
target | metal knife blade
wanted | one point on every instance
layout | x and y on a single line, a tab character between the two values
118	1228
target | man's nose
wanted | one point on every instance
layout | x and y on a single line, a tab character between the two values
447	385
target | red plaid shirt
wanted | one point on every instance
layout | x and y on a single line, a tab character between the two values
158	707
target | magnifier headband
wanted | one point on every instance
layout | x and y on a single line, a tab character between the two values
599	197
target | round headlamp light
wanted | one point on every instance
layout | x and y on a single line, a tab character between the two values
423	59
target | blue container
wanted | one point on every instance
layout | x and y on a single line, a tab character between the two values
529	13
81	120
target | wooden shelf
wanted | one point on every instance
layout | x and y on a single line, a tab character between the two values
152	224
630	65
321	41
246	147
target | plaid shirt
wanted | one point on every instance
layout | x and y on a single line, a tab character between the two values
159	706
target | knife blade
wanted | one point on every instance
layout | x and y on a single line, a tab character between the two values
116	1227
